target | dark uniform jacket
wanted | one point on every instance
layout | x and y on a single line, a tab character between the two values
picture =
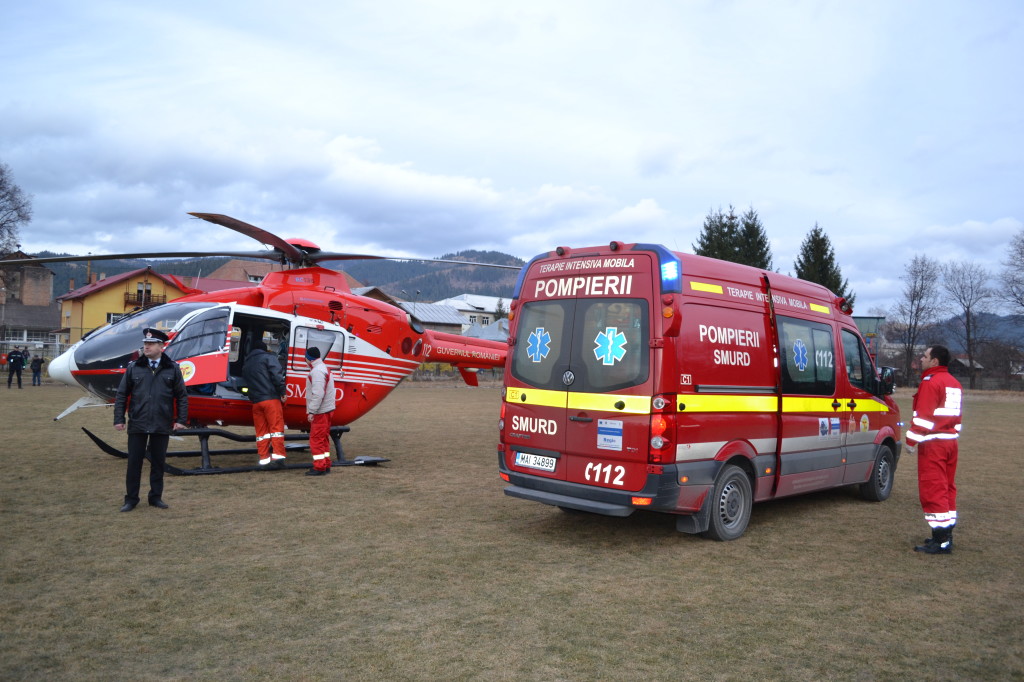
263	375
153	394
15	360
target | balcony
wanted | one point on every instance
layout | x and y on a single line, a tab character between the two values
138	300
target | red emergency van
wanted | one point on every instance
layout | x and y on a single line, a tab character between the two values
641	378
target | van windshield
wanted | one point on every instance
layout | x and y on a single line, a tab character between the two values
586	345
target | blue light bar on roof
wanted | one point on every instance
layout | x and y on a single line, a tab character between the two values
670	268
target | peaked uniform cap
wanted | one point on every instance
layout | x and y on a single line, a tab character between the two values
150	335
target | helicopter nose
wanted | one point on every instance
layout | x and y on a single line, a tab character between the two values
62	366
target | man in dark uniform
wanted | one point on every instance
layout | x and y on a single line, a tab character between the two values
15	363
158	405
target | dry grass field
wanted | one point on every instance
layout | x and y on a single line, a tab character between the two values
421	569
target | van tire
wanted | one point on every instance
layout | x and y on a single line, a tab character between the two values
731	503
879	486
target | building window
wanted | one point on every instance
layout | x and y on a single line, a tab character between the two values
472	319
114	317
484	321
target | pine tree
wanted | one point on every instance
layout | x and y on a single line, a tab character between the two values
753	247
817	263
719	237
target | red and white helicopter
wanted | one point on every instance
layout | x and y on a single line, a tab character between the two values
370	345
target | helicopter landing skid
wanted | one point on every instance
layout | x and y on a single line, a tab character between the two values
207	466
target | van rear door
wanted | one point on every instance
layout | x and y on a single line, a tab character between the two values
578	402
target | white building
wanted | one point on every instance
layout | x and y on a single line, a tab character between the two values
481	310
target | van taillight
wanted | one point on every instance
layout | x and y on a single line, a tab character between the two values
663	420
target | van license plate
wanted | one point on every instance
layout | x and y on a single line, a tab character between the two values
524	459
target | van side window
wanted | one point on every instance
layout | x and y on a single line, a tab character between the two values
858	363
808	357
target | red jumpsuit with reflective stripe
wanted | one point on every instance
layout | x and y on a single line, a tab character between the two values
934	430
320	404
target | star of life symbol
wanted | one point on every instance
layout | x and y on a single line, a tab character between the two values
610	346
538	344
800	354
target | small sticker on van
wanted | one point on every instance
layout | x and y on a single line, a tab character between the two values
609	434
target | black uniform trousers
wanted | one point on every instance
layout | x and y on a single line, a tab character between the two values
138	443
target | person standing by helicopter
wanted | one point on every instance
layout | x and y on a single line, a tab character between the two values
266	389
320	406
151	388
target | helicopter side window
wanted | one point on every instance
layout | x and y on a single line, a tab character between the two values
330	344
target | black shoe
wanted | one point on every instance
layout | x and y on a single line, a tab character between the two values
941	542
159	504
128	506
316	472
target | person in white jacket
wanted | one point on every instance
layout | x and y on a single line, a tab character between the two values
320	406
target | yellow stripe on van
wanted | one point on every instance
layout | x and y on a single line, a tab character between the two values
704	286
606	402
535	396
805	404
820	309
727	403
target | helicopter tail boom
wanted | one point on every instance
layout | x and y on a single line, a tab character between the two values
464	353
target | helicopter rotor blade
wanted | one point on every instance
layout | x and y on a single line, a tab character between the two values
257	233
326	255
266	255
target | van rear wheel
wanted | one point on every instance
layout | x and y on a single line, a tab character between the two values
879	486
731	503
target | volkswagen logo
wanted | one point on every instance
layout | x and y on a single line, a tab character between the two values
568	377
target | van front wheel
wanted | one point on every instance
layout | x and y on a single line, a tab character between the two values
879	486
730	505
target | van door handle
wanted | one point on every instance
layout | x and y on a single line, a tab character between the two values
836	404
852	404
581	419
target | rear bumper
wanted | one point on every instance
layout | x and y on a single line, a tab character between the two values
663	489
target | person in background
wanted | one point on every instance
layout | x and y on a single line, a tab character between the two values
37	370
15	363
320	406
153	391
933	434
266	389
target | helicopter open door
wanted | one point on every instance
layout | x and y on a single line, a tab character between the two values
200	348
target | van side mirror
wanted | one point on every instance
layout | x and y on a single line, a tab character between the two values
886	380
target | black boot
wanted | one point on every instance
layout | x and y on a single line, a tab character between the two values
941	542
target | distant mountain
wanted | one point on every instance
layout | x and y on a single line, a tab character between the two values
423	282
426	282
1007	329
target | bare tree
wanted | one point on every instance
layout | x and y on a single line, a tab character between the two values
1012	276
916	311
966	283
15	209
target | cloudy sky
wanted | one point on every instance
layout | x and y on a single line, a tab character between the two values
425	127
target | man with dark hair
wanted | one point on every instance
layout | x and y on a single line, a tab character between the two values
933	435
266	389
153	391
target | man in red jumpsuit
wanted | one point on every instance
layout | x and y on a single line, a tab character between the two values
933	434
